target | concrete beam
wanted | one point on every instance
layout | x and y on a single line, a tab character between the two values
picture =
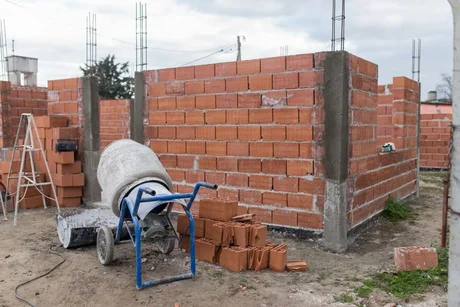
137	109
91	139
335	160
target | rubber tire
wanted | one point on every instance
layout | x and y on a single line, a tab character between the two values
105	245
166	246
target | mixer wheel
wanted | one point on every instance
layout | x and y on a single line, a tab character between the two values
166	245
105	245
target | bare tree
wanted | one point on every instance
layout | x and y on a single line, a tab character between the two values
445	86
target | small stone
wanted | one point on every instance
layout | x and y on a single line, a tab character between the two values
152	268
104	273
143	260
37	293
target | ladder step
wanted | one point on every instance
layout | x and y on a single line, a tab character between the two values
28	148
34	184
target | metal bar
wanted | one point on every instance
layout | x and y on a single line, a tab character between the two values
6	42
35	183
130	234
196	189
21	169
419	57
413	59
333	26
87	41
137	246
120	221
127	205
14	152
192	240
95	40
141	285
90	43
142	36
342	38
445	206
2	56
418	121
166	280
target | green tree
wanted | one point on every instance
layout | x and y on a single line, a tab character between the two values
114	79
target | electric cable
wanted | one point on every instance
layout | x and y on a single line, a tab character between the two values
38	277
207	56
119	40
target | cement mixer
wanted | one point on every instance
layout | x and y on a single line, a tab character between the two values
137	189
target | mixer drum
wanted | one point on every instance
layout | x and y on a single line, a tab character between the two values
125	164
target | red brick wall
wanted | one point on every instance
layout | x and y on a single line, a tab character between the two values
27	100
385	114
252	127
114	121
435	137
15	101
5	112
375	175
65	99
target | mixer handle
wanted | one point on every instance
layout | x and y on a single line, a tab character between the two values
150	191
209	185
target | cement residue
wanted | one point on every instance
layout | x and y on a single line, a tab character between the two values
90	218
273	102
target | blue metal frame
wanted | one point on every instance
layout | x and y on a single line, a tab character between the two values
127	205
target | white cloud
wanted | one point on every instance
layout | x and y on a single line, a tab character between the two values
380	31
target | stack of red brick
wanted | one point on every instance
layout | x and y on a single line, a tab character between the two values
65	170
30	197
236	246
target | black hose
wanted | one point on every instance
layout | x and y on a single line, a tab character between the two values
38	277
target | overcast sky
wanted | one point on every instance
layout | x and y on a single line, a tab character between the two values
380	31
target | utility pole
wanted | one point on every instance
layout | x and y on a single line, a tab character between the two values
454	242
238	56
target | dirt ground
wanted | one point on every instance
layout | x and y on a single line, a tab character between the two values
83	281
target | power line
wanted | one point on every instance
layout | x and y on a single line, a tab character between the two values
207	56
116	39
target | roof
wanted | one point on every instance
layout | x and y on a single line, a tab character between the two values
24	57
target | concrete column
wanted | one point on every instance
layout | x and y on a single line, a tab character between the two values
335	160
137	109
91	139
454	235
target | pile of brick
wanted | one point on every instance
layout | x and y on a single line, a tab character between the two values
415	258
31	197
236	246
64	168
